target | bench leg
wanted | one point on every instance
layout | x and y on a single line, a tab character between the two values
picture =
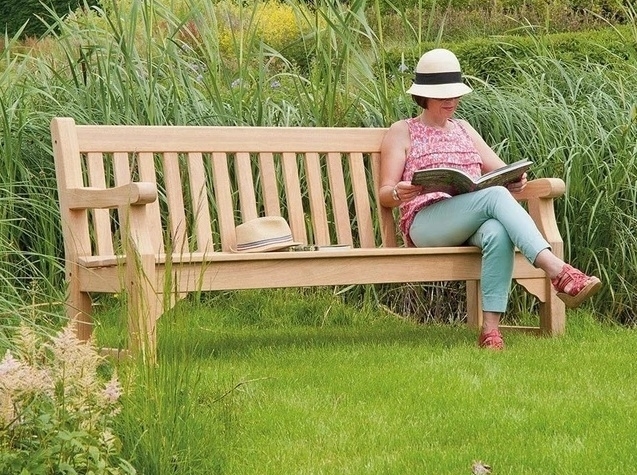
552	313
474	304
79	306
143	307
551	309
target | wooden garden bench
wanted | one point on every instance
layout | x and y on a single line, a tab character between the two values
150	212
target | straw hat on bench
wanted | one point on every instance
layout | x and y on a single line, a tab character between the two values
269	233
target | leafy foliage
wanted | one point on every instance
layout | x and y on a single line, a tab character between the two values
566	101
56	412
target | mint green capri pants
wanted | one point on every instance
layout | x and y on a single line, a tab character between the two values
492	220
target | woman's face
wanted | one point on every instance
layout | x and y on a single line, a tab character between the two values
443	108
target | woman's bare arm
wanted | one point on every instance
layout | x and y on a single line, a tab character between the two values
393	154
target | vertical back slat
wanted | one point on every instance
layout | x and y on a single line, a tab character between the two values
101	217
245	182
122	176
121	168
175	198
385	215
296	217
317	199
269	184
361	200
200	208
147	172
223	194
339	199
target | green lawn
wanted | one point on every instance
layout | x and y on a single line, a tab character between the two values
350	391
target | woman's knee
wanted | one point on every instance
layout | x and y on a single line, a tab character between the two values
496	194
493	235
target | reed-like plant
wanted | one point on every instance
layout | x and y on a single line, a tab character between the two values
576	121
150	63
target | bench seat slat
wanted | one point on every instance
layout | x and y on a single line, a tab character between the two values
233	274
112	260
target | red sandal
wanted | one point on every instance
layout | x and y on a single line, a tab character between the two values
573	286
491	340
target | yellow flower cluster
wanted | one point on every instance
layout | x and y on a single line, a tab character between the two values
277	25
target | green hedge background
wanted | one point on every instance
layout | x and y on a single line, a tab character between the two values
15	13
495	59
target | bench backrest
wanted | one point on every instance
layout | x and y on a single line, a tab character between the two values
210	179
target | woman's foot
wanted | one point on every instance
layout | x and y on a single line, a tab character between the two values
573	286
491	340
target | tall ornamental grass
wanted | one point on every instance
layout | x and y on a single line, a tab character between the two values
146	63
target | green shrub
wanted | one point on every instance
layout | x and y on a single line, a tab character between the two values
15	13
608	9
496	59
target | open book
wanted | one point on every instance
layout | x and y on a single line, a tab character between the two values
456	182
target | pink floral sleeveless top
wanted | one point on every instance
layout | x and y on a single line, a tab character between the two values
433	148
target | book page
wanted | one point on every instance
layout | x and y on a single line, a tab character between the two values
454	182
505	175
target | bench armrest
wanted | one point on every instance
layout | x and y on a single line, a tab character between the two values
542	188
134	194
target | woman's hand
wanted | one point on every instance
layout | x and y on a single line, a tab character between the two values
518	185
405	191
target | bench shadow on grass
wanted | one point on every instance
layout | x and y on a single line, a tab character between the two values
243	342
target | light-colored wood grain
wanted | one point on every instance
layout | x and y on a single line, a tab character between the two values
318	211
269	184
101	216
199	199
339	199
180	191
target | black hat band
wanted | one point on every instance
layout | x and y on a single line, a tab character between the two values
438	78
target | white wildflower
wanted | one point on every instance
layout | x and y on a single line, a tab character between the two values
9	364
112	391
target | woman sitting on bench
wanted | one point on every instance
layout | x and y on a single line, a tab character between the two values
490	218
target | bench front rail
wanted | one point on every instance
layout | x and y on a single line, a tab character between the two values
152	211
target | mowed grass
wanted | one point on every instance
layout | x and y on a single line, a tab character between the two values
276	382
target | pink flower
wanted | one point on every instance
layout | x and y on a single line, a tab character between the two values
112	391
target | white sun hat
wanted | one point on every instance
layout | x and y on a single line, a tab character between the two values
438	76
268	233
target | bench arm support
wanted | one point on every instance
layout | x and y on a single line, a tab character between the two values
140	276
539	195
131	194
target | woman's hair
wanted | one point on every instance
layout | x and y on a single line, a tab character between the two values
421	101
